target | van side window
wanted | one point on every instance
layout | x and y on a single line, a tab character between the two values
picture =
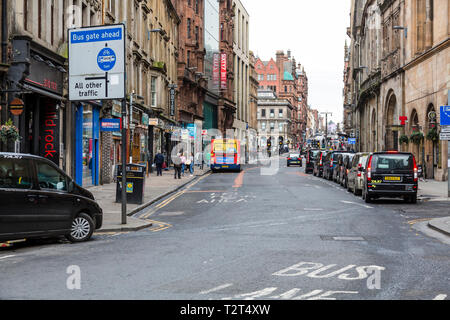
15	174
49	178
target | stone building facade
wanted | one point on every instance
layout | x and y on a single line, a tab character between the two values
398	51
241	70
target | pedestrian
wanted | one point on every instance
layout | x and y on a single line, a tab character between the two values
177	165
159	161
190	163
183	163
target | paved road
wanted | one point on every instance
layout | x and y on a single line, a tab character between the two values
238	236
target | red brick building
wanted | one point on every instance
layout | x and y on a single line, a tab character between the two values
290	83
191	81
227	105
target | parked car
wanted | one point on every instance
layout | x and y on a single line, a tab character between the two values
345	169
318	164
38	200
311	156
330	163
355	179
337	170
391	174
295	159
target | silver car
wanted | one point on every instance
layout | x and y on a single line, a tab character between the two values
356	173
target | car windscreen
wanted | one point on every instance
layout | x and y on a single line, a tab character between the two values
294	155
390	162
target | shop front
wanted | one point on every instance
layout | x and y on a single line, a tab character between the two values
87	136
41	124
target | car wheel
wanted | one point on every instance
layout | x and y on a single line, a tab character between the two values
367	198
82	228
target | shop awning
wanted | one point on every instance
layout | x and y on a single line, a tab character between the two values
43	92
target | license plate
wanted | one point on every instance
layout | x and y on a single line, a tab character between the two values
392	179
225	166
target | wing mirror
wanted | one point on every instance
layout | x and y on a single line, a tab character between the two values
71	188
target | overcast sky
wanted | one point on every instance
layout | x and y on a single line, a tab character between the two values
315	31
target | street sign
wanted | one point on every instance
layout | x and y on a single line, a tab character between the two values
445	129
351	141
97	63
445	136
445	116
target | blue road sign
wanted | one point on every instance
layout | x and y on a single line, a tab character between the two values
352	141
106	59
445	116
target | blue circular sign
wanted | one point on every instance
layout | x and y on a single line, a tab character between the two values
106	59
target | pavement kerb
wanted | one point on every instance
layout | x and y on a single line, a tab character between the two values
145	205
125	229
435	227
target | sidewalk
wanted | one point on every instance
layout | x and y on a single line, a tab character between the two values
431	190
156	188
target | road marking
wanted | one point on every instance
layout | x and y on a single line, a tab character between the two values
413	222
6	257
358	204
216	289
313	209
287	295
440	297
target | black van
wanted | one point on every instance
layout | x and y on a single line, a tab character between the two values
311	156
39	200
391	174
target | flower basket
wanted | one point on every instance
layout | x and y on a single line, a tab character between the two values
433	135
404	139
9	133
417	137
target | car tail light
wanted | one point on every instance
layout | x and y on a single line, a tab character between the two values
369	170
321	160
359	169
289	159
416	170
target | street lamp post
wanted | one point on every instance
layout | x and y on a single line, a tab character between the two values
326	126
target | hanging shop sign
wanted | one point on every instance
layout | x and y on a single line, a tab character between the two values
16	107
223	71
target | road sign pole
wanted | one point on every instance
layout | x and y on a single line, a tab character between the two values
124	162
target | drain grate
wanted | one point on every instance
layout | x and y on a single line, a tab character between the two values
343	238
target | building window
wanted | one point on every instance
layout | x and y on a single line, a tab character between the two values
263	126
188	59
222	32
280	113
272	126
272	113
189	28
153	91
196	6
196	34
263	113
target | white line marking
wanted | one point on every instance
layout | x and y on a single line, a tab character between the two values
312	209
358	204
217	288
6	257
440	297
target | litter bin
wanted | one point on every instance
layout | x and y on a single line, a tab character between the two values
135	183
